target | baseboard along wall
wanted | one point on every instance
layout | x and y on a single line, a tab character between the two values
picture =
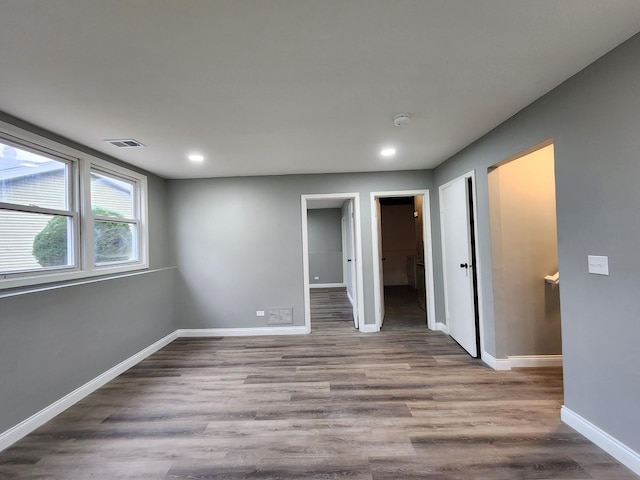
618	450
327	285
615	448
521	361
38	419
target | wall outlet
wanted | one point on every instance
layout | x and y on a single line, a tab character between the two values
259	313
316	278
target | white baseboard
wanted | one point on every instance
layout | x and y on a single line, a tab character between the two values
531	361
495	363
327	285
369	328
240	332
38	419
612	446
441	327
522	361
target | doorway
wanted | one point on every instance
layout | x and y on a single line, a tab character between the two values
402	259
524	252
460	263
350	256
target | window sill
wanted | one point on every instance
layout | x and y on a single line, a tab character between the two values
77	279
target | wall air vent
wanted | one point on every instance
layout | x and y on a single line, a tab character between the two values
125	143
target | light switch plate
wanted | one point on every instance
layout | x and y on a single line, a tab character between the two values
598	265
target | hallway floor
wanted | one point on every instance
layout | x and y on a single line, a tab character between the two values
401	309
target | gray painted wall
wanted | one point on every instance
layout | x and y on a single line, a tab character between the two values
54	341
250	229
594	119
324	229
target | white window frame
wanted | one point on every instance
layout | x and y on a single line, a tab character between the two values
79	209
139	221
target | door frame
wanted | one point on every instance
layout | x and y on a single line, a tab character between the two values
428	252
359	286
478	266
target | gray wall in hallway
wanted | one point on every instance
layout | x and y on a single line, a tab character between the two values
54	341
249	228
324	228
594	119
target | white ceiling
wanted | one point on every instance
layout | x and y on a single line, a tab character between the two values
292	86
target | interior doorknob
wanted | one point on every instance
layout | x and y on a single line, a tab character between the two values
464	265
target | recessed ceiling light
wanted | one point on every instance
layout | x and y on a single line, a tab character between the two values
388	152
196	157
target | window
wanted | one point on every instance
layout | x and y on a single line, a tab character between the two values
64	215
115	218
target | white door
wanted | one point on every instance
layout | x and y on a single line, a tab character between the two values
350	242
456	261
380	260
352	264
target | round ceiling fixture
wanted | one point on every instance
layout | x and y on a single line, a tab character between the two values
401	119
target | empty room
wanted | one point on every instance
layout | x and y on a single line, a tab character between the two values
296	239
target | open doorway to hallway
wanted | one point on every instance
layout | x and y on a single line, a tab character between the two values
403	277
524	251
403	263
332	267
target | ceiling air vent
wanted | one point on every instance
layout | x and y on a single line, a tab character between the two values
125	143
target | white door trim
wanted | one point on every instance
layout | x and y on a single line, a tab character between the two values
428	252
304	200
478	266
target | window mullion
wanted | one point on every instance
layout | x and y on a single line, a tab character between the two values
86	217
101	218
35	209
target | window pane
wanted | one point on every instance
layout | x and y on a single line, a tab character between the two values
31	241
114	242
27	178
111	196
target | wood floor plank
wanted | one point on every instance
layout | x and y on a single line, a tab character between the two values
403	404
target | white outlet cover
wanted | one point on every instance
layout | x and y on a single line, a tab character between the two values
260	313
598	264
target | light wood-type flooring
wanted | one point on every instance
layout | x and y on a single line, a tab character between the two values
335	404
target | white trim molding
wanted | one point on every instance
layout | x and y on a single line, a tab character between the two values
441	327
376	254
522	361
327	285
240	332
532	361
615	448
305	199
369	328
495	363
38	419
